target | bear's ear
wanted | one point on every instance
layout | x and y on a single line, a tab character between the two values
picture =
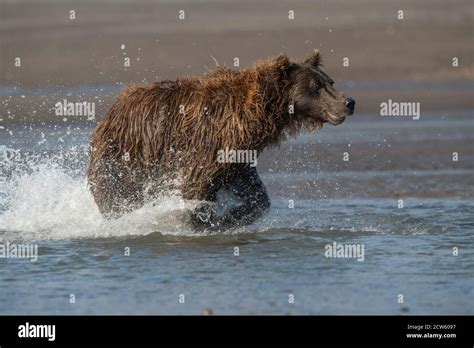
314	58
282	61
284	64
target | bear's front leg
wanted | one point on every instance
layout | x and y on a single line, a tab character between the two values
202	217
249	189
254	202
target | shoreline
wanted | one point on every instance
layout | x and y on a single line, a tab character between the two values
29	105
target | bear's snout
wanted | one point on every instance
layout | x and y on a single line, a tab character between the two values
350	104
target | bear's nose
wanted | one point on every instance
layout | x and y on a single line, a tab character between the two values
350	103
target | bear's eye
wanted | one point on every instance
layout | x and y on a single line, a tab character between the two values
313	86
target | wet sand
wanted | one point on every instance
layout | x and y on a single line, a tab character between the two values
386	55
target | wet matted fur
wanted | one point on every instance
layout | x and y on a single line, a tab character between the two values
167	135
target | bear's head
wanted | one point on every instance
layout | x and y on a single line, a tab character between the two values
315	100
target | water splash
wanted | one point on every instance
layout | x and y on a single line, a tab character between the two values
45	198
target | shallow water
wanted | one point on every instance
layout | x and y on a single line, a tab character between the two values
317	199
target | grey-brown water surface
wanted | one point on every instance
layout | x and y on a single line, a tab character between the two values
317	199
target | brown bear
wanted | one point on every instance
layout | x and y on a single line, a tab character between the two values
167	136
